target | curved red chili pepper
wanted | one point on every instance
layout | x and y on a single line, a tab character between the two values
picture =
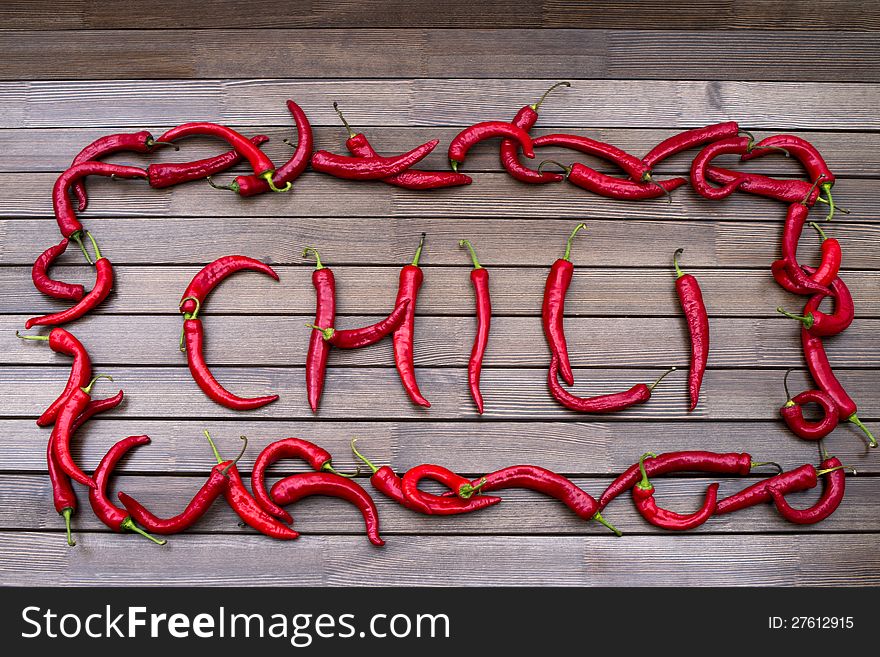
632	165
290	170
643	496
732	145
65	215
801	478
823	375
115	518
469	137
792	413
213	273
480	281
822	324
831	258
63	495
602	403
373	168
259	161
325	315
691	299
135	142
689	139
63	342
49	286
794	224
100	291
525	119
168	174
95	407
619	188
438	505
408	285
553	307
787	191
832	494
296	487
366	335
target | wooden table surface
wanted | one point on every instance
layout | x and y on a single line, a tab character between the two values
404	75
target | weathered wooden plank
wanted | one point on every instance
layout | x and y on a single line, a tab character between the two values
847	153
446	342
28	558
434	102
584	446
635	292
26	505
438	53
363	393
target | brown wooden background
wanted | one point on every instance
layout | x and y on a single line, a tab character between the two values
404	74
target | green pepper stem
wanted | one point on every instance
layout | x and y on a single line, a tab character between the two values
328	467
470	248
351	133
753	464
98	255
808	319
326	332
662	376
826	187
598	517
819	473
88	388
576	230
31	337
311	249
415	260
645	483
77	237
562	166
678	272
152	143
194	313
466	491
785	383
453	164
535	106
872	442
231	187
812	187
128	525
267	176
361	456
818	228
213	447
67	512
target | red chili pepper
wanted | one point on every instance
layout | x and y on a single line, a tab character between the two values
63	206
821	324
49	286
438	505
366	335
544	481
553	307
290	448
325	315
373	168
358	145
689	139
793	415
63	342
602	403
480	281
115	518
691	298
96	407
695	461
823	375
295	487
473	135
168	174
135	142
259	161
787	191
100	291
387	482
287	172
408	285
632	165
831	258
832	494
63	495
794	225
619	188
806	154
732	145
212	274
246	506
643	496
525	119
801	478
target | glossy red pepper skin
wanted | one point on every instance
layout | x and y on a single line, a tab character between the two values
553	307
410	178
699	181
49	286
408	285
830	262
95	407
168	174
290	170
691	299
832	495
787	191
437	505
101	290
802	150
617	401
250	511
473	135
689	139
794	225
693	461
212	274
62	432
107	512
259	161
374	168
821	324
792	414
197	507
525	119
194	340
626	190
367	335
480	281
135	142
647	507
63	495
325	315
296	487
62	341
802	478
632	165
290	448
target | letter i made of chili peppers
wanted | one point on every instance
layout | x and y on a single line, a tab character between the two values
480	281
325	315
410	281
691	298
553	307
